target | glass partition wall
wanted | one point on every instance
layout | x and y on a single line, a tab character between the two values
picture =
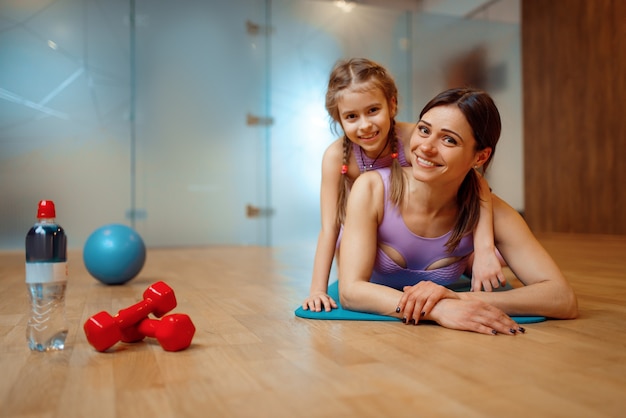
202	122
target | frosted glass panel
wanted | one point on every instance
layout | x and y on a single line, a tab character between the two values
64	92
201	70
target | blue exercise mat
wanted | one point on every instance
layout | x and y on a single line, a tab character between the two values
343	314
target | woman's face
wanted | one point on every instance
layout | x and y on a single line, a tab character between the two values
365	118
443	146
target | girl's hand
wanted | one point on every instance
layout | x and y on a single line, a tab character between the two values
317	300
418	300
474	315
486	272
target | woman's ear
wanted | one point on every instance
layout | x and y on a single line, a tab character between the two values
482	157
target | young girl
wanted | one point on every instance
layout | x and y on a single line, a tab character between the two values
362	98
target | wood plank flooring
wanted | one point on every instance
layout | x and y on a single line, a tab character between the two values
251	357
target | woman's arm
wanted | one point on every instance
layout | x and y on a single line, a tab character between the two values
486	268
546	291
357	255
358	250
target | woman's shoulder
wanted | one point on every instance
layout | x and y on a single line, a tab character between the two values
372	180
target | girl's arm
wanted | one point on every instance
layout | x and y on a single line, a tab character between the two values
546	291
486	267
318	298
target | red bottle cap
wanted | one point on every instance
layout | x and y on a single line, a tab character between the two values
46	209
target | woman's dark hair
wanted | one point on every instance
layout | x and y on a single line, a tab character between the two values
483	117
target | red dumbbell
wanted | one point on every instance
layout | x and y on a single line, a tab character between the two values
103	330
174	332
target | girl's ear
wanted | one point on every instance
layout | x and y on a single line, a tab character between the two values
482	157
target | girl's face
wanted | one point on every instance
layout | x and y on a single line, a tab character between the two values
365	117
443	146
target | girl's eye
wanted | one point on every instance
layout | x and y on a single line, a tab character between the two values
350	116
374	109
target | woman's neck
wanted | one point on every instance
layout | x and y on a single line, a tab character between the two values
430	198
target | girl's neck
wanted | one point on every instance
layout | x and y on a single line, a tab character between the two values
374	155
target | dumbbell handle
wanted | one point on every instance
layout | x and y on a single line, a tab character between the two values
128	317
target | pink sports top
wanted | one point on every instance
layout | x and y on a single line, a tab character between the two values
418	252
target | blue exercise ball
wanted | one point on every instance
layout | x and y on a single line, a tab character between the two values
114	254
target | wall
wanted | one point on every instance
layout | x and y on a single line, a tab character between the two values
147	123
574	71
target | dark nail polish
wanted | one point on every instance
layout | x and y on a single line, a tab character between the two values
412	321
404	319
512	331
398	309
494	332
423	313
522	329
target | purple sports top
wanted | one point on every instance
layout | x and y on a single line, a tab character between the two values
418	252
364	161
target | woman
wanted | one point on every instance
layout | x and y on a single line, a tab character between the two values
396	259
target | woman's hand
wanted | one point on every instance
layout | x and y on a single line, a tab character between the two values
317	300
418	300
486	272
474	315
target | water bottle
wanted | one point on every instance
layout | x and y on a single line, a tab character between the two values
46	280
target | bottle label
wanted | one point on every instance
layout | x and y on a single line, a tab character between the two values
46	272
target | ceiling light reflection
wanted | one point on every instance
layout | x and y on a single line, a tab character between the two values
345	6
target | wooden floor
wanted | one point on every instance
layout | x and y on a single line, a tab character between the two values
251	357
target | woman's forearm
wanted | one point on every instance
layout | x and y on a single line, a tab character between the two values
364	296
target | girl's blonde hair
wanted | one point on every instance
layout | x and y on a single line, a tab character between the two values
361	74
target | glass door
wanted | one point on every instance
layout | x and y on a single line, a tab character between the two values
201	123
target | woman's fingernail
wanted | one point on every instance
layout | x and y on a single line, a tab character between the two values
423	313
398	309
521	329
404	319
412	321
512	331
494	332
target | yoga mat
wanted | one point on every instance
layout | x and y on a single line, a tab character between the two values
463	285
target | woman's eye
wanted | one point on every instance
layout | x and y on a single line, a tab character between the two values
424	130
450	140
